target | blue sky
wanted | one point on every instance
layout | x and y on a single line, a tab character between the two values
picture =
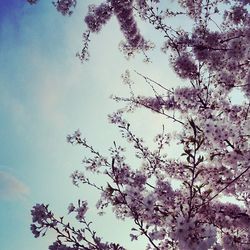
45	93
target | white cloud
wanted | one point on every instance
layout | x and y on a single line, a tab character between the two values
12	188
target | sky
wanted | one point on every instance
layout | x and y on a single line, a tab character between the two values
45	94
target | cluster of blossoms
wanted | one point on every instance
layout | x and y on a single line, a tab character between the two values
237	15
80	210
185	67
123	10
124	13
193	235
98	16
211	137
77	239
194	8
65	6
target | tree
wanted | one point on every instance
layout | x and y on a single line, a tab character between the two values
212	59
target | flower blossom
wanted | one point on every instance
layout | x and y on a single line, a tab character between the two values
65	6
97	17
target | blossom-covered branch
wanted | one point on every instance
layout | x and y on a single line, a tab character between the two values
173	196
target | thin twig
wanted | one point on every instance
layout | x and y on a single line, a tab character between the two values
151	80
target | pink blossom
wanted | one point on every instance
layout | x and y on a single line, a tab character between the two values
172	190
65	6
